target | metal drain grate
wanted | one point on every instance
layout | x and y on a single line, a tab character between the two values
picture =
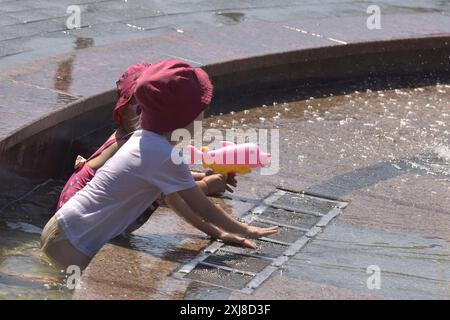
300	217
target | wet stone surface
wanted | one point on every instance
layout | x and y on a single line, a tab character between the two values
39	27
435	163
412	267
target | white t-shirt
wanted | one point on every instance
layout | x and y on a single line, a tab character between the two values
121	190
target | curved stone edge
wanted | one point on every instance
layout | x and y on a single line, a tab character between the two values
236	68
68	112
326	52
52	136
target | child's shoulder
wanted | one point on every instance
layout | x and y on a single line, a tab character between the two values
152	138
152	143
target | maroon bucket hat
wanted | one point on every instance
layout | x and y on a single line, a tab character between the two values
172	94
126	85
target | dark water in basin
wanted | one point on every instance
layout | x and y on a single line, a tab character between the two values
24	271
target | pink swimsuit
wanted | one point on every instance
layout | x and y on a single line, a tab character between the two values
84	174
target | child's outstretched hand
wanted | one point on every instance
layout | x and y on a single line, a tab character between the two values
257	232
233	239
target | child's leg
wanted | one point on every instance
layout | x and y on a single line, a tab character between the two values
59	250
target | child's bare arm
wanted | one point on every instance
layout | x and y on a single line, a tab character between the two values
197	175
181	208
213	184
106	154
199	203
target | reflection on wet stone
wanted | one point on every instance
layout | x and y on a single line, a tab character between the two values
235	17
83	43
63	75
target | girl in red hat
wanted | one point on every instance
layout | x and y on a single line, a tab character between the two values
126	114
172	95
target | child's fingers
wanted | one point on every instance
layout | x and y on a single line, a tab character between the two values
256	232
221	176
237	240
232	183
269	231
248	243
231	179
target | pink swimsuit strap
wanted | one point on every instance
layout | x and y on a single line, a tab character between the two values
109	142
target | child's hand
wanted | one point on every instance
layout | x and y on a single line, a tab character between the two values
217	183
79	162
233	239
257	232
198	175
231	180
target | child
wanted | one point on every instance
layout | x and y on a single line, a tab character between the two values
126	115
172	94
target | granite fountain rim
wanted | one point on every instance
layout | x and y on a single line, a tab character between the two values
228	67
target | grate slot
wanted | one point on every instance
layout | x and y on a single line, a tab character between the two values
220	277
251	274
285	235
284	217
302	202
264	249
238	262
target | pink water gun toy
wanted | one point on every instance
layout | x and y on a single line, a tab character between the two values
230	157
